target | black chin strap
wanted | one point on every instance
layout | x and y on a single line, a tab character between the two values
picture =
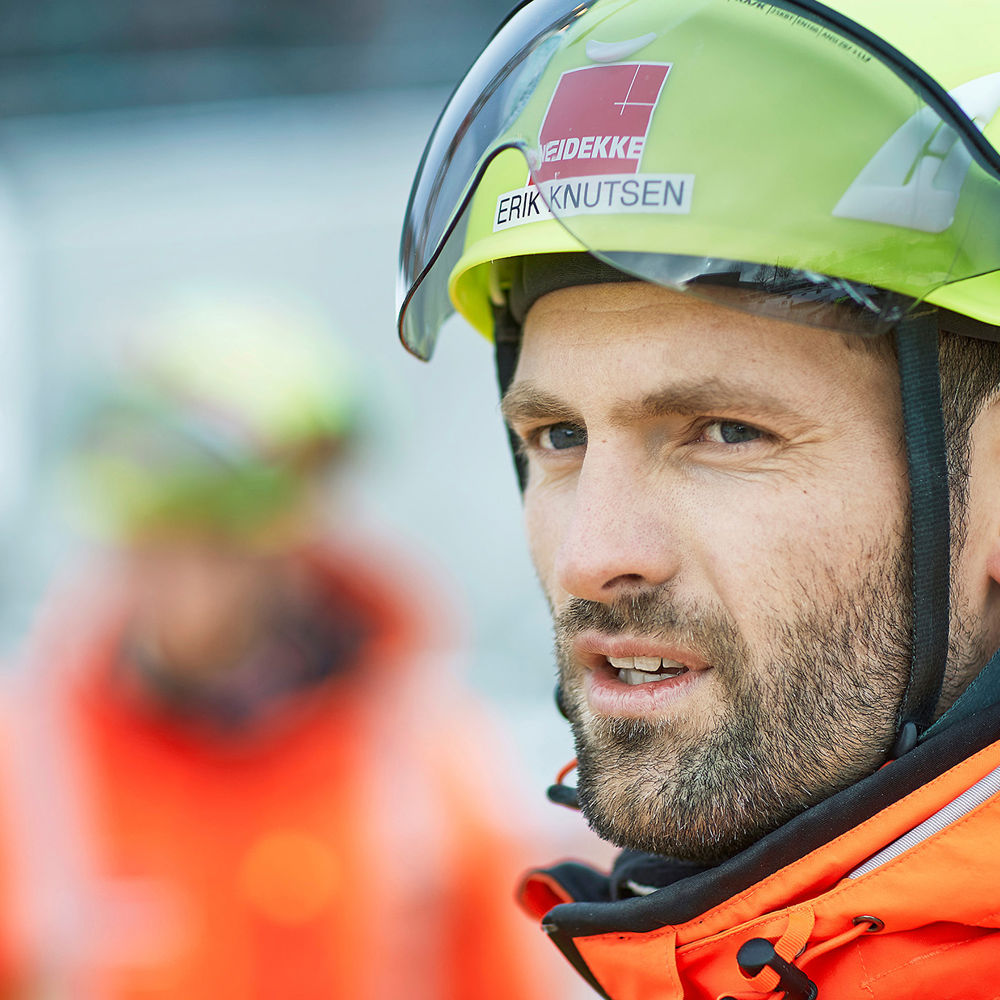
923	423
507	346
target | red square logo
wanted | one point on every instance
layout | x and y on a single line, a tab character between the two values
598	120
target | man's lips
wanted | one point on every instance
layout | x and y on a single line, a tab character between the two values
628	676
595	650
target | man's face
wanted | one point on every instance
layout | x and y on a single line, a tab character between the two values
716	509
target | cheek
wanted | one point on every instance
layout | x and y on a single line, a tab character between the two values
541	522
777	553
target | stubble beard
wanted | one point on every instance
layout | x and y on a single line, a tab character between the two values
806	714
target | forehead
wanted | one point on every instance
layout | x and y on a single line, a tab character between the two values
632	338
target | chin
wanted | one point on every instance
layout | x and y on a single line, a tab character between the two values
702	800
639	817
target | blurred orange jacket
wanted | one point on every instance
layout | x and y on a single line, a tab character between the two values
353	849
887	891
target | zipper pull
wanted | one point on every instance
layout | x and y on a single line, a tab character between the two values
758	953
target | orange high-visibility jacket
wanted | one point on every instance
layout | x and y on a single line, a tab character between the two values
889	890
349	850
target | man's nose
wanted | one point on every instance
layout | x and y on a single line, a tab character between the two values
620	536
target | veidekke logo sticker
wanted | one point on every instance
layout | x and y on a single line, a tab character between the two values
598	120
592	139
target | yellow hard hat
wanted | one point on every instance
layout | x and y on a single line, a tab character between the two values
853	151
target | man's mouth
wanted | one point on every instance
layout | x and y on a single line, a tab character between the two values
645	669
626	676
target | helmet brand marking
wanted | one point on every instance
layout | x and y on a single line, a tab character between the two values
591	143
598	119
594	147
916	177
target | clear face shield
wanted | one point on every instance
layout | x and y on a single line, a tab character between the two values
776	157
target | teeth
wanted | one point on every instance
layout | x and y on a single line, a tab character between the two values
645	668
648	663
644	677
638	677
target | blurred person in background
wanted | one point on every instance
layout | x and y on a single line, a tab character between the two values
238	762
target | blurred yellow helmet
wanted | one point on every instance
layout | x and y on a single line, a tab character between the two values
227	408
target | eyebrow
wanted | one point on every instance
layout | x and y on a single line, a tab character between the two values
701	396
525	402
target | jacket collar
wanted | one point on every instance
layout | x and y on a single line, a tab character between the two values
591	905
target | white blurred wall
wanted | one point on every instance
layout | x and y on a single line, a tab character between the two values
304	195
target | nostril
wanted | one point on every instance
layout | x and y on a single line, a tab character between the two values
625	580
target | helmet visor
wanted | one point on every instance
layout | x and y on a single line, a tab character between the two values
759	153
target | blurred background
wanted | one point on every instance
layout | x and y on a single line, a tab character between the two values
153	153
148	148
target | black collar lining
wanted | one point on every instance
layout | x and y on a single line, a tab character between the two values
691	897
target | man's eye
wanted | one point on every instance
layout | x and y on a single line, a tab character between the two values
559	437
731	432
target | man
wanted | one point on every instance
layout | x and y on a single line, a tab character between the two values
739	261
232	769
